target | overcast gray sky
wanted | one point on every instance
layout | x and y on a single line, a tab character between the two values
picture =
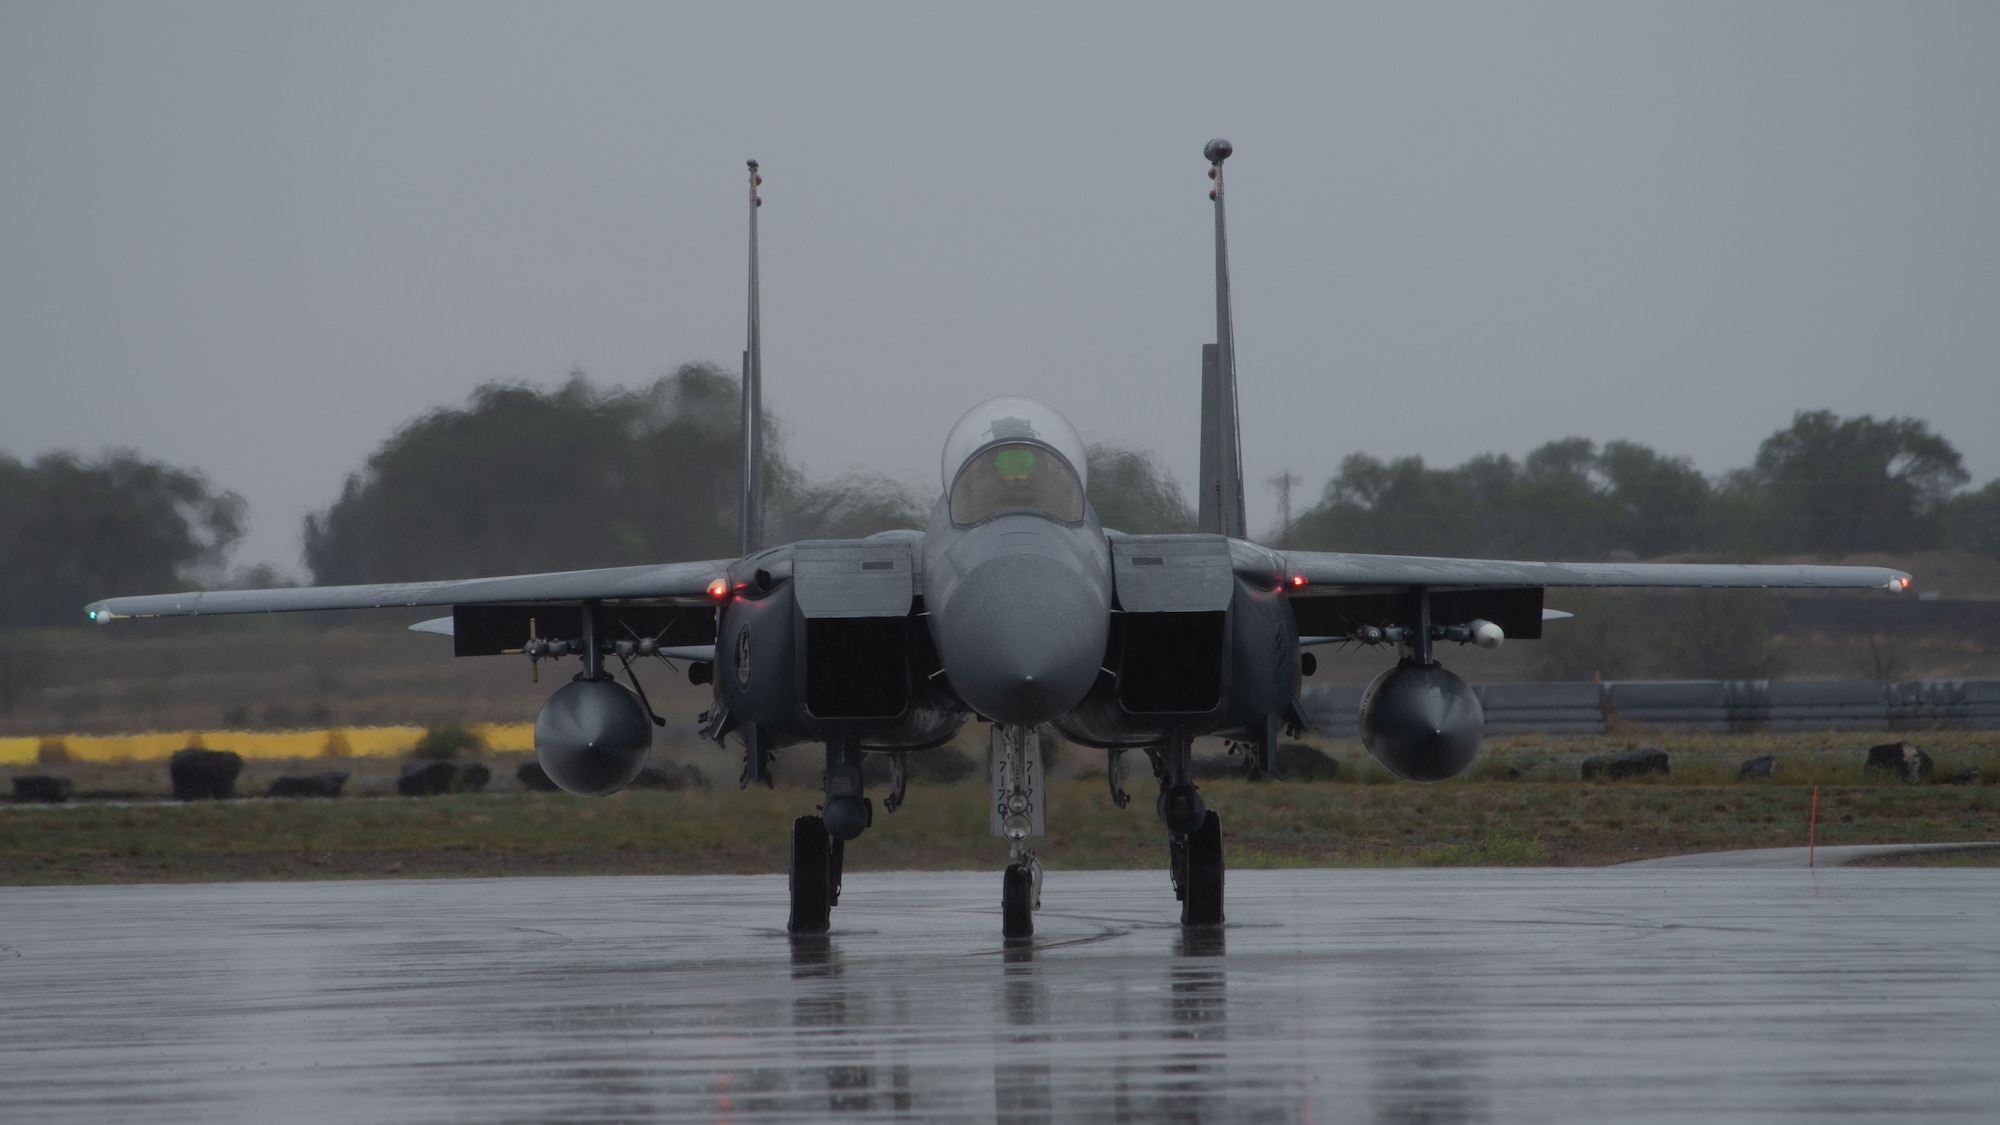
255	238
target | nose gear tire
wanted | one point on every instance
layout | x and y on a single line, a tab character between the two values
1017	903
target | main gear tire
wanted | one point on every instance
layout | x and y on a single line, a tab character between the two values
812	883
1201	898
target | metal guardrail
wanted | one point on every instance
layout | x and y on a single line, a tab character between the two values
1705	705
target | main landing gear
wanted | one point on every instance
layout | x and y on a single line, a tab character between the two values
819	842
1194	833
1017	812
1196	861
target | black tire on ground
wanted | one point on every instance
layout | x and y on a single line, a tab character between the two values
1017	903
1202	903
811	852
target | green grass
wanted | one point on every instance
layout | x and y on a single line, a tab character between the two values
1362	821
1520	804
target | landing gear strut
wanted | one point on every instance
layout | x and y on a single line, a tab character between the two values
1197	868
847	812
1194	834
1014	759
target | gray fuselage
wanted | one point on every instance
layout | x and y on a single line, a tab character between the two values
1020	610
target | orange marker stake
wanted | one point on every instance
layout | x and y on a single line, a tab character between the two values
1812	827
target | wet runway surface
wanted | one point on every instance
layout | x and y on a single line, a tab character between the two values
1383	995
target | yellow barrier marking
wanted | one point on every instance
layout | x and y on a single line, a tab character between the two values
369	742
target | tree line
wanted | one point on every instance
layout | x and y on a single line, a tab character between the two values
523	479
73	529
1824	485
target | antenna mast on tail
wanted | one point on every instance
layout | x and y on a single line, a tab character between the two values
1221	503
752	523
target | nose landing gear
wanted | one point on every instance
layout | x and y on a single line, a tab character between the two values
1014	759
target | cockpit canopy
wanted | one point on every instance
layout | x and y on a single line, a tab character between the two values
1013	454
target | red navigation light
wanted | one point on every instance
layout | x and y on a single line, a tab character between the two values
1298	579
718	589
1904	581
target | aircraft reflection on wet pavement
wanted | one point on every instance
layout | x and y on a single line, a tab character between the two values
854	1084
1171	1063
1183	1081
1385	995
1015	606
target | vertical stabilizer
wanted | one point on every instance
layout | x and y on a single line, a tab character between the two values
752	521
1221	502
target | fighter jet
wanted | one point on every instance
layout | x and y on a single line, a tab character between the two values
1014	606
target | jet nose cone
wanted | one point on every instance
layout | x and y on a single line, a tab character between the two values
1022	638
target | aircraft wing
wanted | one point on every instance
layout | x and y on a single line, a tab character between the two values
667	580
1329	568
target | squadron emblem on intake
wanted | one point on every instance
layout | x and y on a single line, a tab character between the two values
743	656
